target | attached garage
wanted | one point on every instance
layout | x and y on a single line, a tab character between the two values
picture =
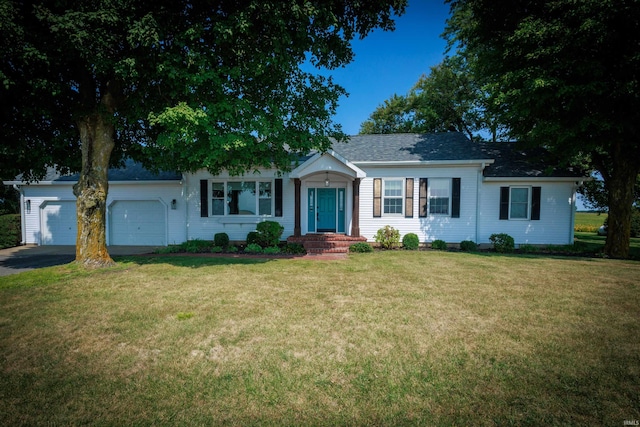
58	222
138	223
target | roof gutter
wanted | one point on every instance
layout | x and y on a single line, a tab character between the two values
426	162
577	179
145	182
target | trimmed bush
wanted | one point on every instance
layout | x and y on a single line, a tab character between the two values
410	241
361	247
217	250
269	233
528	249
221	239
272	250
252	237
232	249
253	248
10	234
295	249
197	246
502	242
439	245
468	246
388	237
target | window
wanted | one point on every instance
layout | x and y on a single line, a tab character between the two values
392	196
519	205
439	196
241	198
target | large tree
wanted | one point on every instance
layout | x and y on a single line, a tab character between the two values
566	75
177	84
446	99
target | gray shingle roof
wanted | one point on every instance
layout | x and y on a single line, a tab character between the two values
512	161
132	171
509	160
410	147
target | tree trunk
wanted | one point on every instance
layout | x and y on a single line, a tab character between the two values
620	184
97	138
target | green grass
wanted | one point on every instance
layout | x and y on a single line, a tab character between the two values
589	221
389	338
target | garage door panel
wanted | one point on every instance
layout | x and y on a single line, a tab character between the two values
138	223
58	223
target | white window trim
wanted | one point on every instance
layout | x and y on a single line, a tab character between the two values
450	195
256	182
529	195
401	197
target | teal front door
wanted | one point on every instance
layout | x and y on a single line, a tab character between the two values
326	210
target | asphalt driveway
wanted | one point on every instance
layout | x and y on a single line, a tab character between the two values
29	257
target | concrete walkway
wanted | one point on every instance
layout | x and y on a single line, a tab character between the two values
29	257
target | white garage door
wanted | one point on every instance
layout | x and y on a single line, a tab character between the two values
138	222
58	223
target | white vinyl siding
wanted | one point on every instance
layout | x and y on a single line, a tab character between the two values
433	226
556	208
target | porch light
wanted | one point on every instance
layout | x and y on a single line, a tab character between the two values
326	180
27	206
174	204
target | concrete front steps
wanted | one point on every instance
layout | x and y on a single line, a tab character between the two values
326	244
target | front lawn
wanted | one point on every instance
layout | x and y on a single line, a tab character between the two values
389	338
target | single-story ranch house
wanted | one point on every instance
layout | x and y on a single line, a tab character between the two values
438	186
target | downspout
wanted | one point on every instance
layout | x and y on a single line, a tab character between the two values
23	222
186	197
478	181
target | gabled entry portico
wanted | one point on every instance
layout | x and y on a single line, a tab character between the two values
327	189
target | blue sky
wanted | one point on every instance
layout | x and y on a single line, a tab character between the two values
388	63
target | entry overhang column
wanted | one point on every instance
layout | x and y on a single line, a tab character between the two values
355	217
297	228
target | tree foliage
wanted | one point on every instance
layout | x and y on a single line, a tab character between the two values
447	99
175	84
564	75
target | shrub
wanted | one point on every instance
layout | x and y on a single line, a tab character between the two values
361	247
528	249
502	242
232	249
10	233
410	241
252	237
439	245
388	237
468	246
269	233
171	249
221	239
253	248
196	246
217	250
295	249
272	250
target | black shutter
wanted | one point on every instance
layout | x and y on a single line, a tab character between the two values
504	202
455	198
408	198
278	197
204	198
423	198
377	197
535	203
